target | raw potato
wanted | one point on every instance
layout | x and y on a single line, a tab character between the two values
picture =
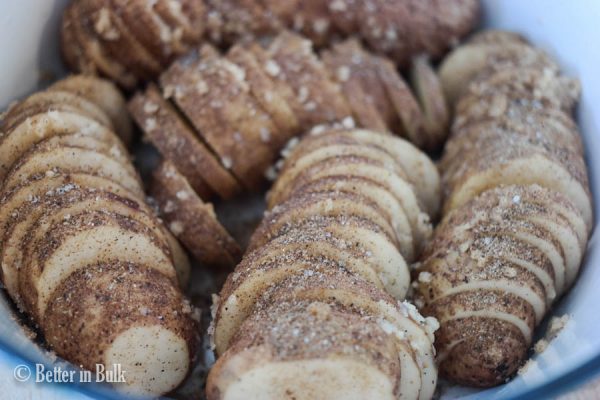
191	220
82	254
224	119
51	157
464	63
215	97
492	271
143	321
318	99
517	207
104	95
324	271
345	356
177	142
130	41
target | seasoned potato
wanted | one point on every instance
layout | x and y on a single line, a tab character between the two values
82	255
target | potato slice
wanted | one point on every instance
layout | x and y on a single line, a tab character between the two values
482	275
54	100
414	334
430	95
464	63
79	140
50	160
15	143
83	240
375	193
353	167
307	205
217	100
465	318
307	349
265	92
186	18
113	34
270	266
234	21
93	56
281	87
293	175
418	168
60	204
523	164
346	70
538	130
545	88
27	195
177	142
538	211
353	67
319	99
105	95
377	242
191	220
156	36
146	325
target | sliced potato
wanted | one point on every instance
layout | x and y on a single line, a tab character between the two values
57	205
430	95
191	220
413	333
347	66
217	100
265	92
419	169
105	95
319	99
544	87
85	239
177	142
188	18
307	349
376	243
50	160
15	203
52	100
112	34
14	143
377	194
465	62
146	325
523	164
263	269
402	191
88	54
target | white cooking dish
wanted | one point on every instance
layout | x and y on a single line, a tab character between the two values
567	30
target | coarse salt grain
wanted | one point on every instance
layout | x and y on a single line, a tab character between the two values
272	68
343	73
150	107
425	277
176	227
182	195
